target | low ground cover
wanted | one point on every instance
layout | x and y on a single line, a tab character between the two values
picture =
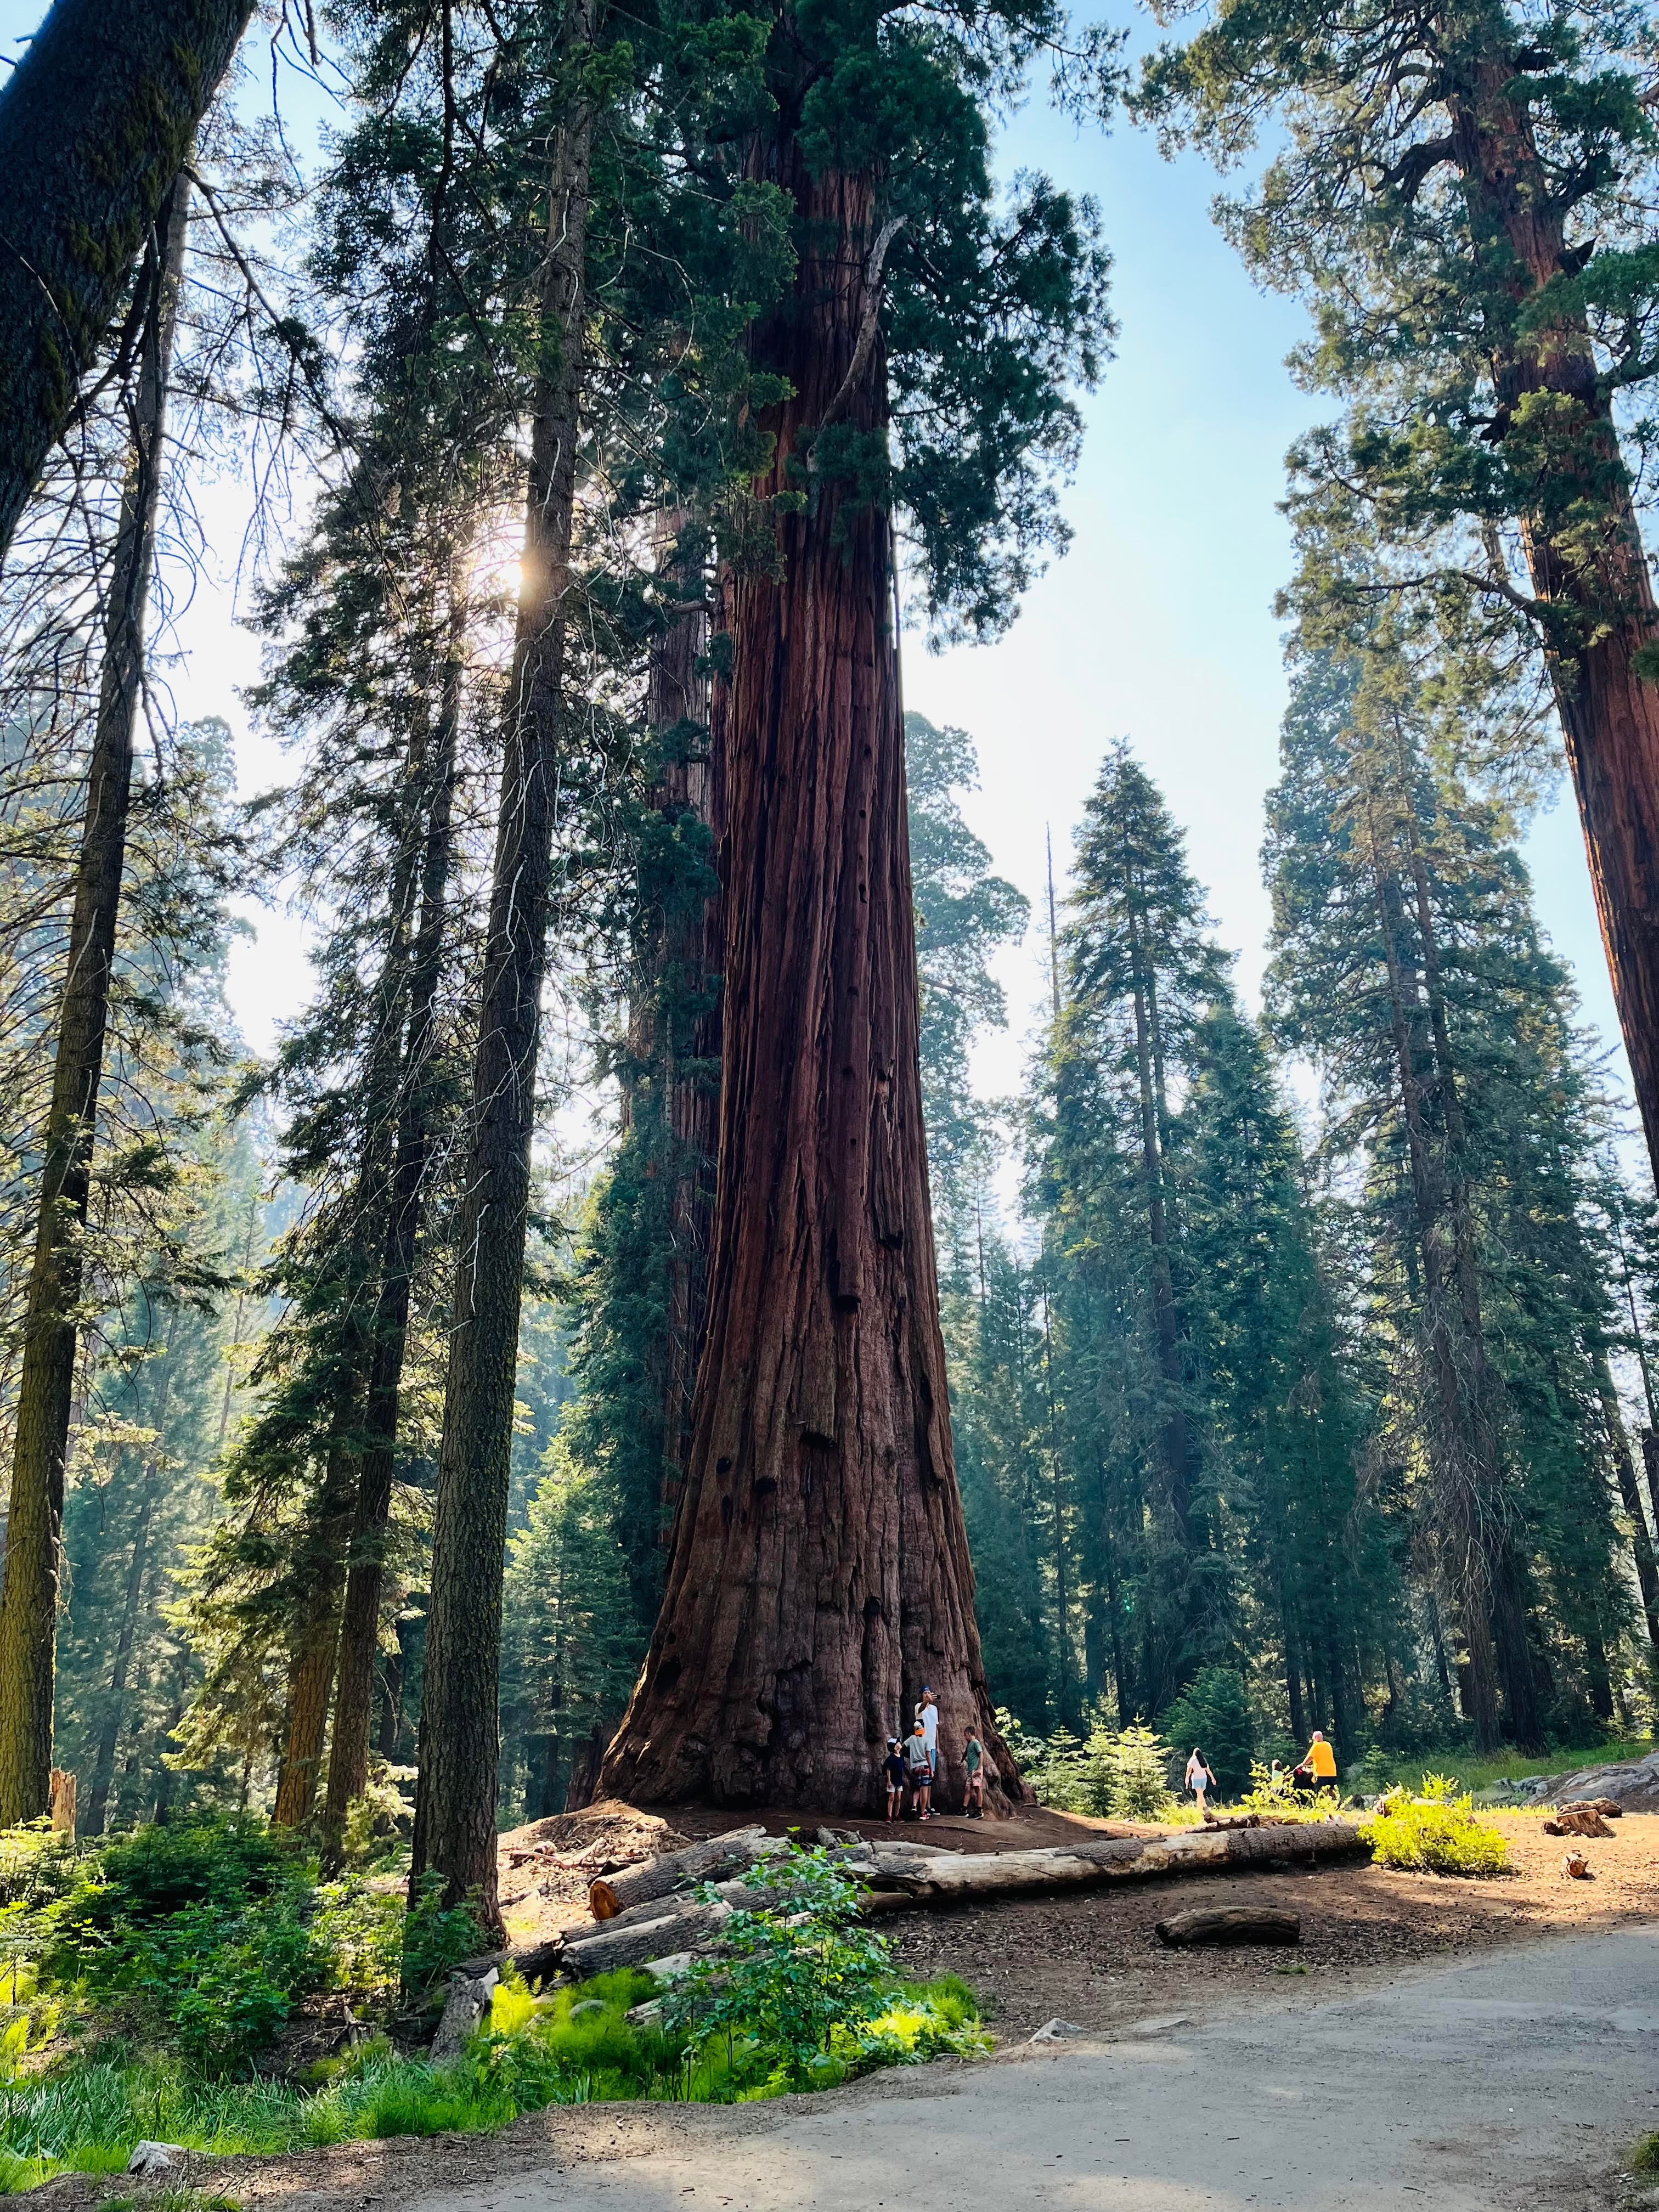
154	1982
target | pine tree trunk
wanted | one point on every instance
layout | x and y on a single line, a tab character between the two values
95	121
1514	1654
1594	580
819	1574
28	1603
360	1622
311	1674
1462	1477
460	1741
109	1733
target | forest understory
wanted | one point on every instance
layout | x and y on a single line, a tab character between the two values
1092	1960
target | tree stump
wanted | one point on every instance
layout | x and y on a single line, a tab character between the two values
63	1801
1585	1822
1237	1924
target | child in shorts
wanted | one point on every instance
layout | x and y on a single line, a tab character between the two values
895	1772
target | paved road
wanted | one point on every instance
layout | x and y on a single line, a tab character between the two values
1502	2084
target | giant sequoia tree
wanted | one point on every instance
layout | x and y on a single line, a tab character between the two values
1466	195
819	1572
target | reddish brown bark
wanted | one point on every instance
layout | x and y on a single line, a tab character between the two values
1595	586
311	1671
819	1573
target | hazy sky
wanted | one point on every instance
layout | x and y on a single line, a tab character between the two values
1158	625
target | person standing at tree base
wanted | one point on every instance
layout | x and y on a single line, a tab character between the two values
893	1769
973	1758
921	1767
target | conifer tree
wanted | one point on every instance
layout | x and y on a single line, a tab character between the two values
1464	196
1140	975
819	1572
1409	964
95	126
29	1594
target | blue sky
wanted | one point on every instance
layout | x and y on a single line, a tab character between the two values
1158	625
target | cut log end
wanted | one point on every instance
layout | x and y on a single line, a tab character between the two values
1238	1924
602	1901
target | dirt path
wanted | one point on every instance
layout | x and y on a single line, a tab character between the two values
1509	2082
1371	1938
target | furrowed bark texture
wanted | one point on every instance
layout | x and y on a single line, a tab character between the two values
693	945
96	123
28	1602
1609	714
819	1573
460	1743
360	1622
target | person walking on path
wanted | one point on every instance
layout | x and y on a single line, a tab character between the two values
895	1771
1318	1770
1199	1778
921	1771
973	1758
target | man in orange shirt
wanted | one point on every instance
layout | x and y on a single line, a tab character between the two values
1318	1770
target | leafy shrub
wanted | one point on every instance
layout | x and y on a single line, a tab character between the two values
1438	1835
200	1930
37	1863
783	1981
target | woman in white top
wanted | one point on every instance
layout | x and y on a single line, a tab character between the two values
1199	1778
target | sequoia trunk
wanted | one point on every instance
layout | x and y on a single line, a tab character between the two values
460	1740
28	1602
1591	577
819	1573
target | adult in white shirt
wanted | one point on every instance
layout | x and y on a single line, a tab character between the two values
927	1714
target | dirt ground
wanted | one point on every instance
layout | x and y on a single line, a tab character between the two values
1090	1958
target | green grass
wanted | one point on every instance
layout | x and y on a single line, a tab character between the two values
1474	1773
1644	2158
575	2048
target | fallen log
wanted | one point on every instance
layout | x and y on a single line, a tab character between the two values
709	1861
1232	1821
1237	1924
1608	1808
641	1942
1129	1858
